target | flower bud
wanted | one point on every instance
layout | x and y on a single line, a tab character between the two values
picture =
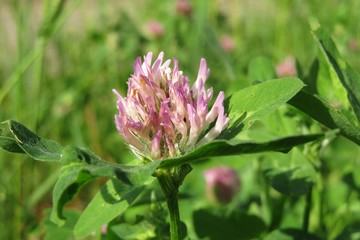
222	183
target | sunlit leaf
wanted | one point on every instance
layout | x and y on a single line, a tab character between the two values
252	103
142	230
345	75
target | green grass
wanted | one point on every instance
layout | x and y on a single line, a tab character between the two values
59	63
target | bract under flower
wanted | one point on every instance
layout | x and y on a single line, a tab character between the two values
163	117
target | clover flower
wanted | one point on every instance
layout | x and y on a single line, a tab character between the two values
155	28
227	43
163	117
222	183
184	8
286	68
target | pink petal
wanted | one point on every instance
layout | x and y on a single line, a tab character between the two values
213	113
155	147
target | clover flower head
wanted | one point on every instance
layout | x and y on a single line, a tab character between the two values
222	183
163	117
155	28
286	68
184	8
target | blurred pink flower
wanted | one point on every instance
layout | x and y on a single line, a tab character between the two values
227	43
222	183
155	28
103	229
183	7
161	116
353	44
286	68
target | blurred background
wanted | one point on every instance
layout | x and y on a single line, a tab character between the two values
60	60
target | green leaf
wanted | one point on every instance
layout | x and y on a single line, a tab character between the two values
311	78
356	176
291	174
215	225
80	165
353	87
261	69
114	198
251	103
30	143
294	182
326	114
343	73
226	148
291	234
10	145
71	180
142	230
351	180
328	78
351	231
54	232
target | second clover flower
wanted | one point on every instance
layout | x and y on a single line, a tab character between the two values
163	117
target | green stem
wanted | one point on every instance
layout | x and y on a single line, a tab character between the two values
170	191
175	228
170	181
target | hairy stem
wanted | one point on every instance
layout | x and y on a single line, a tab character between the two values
170	181
175	228
170	191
